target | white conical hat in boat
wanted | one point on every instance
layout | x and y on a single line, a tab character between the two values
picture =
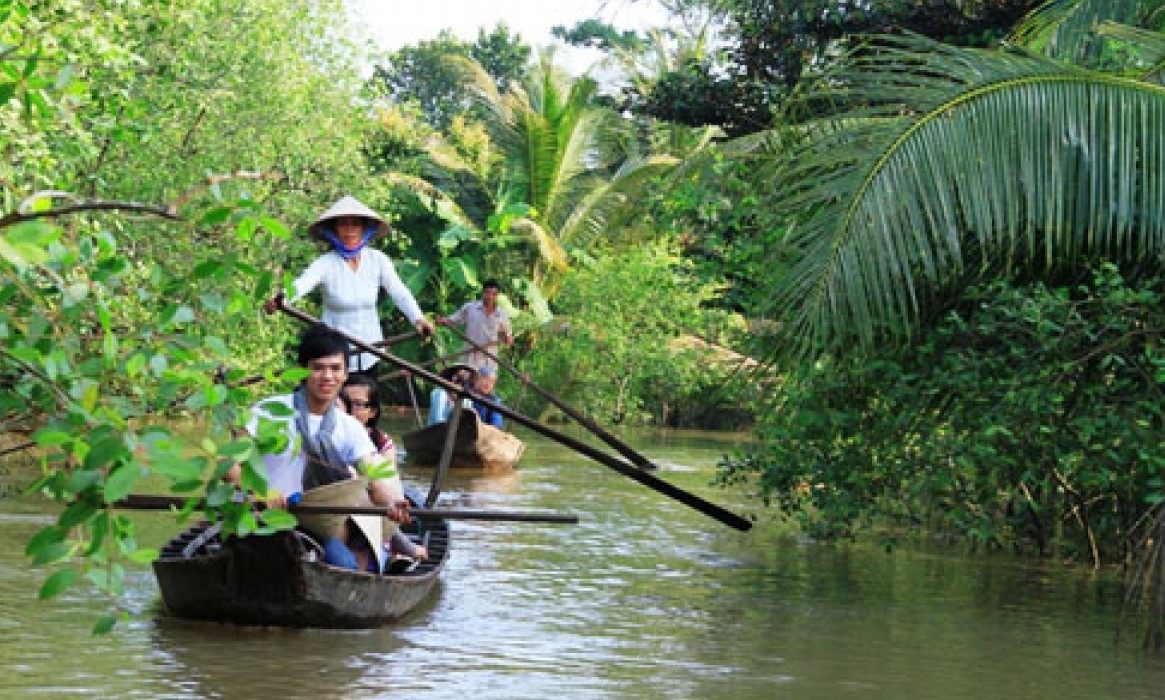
347	206
350	492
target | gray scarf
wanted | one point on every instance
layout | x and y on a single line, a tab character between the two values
325	465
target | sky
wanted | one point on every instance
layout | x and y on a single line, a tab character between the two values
393	24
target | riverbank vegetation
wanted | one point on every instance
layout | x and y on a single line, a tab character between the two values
919	246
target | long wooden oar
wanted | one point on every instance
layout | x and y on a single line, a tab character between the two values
17	448
644	477
621	447
160	502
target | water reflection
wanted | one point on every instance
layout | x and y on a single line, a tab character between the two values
643	599
222	661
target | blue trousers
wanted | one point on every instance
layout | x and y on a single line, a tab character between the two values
338	554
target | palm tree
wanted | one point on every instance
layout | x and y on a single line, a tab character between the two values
947	164
562	181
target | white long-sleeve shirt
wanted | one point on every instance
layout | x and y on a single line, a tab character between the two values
349	296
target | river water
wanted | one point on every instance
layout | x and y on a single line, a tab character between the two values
644	599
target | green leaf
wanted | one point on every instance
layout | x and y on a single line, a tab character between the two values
57	583
293	375
216	216
82	479
245	231
175	467
120	482
275	227
27	243
47	536
278	519
104	624
247	524
77	513
52	553
135	364
105	450
207	268
144	556
98	528
237	449
51	437
254	476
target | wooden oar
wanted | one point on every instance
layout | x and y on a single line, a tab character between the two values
393	340
160	502
621	447
427	363
642	476
17	448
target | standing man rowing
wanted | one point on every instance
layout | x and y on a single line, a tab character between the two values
485	324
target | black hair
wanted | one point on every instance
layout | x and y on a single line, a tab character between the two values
321	341
491	284
364	380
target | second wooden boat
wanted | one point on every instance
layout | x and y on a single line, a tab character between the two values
477	445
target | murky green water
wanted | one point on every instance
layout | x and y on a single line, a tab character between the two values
644	599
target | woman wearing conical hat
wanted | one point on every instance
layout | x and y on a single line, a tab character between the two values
351	276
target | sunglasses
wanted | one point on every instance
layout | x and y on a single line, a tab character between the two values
361	404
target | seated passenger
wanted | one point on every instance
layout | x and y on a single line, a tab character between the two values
487	378
360	397
440	406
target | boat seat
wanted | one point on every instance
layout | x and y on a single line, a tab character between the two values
315	550
204	539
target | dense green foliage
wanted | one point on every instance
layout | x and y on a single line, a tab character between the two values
423	76
598	34
1030	416
134	248
620	351
768	46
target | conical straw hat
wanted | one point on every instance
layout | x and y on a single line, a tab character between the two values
350	492
347	206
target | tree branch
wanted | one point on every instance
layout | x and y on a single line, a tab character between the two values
166	211
215	179
17	217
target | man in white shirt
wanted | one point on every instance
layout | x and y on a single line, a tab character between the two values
307	441
485	323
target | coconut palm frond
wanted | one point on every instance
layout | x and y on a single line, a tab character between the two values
1035	162
442	204
691	147
551	254
460	181
608	205
1066	29
1150	44
583	155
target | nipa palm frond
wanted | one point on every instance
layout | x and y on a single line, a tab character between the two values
1036	162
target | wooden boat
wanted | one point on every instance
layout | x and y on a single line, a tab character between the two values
281	579
477	445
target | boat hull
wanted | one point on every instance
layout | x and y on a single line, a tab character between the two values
476	446
281	580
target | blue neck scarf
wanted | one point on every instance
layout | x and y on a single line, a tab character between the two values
349	253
